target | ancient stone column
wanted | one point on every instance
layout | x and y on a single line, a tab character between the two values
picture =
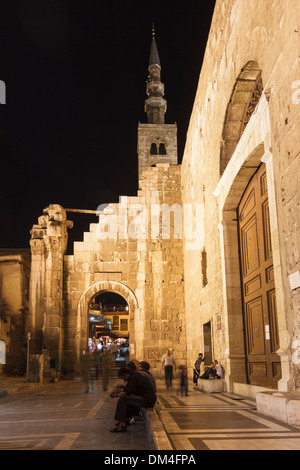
48	246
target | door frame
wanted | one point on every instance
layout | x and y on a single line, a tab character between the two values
258	296
82	313
253	148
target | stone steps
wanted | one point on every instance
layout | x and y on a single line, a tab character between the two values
113	370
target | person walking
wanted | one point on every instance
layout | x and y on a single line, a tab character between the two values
106	363
97	356
168	362
87	364
183	381
115	349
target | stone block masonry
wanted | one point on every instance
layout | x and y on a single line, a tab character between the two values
222	153
48	244
157	137
121	254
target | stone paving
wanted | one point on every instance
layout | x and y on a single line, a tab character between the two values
216	421
62	416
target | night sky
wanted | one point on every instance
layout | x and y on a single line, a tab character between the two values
75	74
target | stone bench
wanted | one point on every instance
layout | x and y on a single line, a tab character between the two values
211	385
157	436
283	406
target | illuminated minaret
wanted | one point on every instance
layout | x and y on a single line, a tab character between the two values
157	141
155	104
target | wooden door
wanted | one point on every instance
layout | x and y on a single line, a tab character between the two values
260	318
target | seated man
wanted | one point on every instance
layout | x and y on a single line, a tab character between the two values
136	414
138	392
146	369
219	370
215	371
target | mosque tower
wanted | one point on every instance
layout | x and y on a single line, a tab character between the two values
157	141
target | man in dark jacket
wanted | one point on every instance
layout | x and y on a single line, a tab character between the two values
138	392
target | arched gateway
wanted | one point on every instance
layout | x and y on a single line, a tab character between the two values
82	311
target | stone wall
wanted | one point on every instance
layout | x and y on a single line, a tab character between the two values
48	245
132	251
157	134
14	305
267	33
174	287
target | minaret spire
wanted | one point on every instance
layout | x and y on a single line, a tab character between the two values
157	141
154	57
155	105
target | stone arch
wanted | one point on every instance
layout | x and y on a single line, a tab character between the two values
253	148
242	178
92	291
244	99
233	303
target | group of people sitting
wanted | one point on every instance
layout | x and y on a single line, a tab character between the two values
214	371
139	391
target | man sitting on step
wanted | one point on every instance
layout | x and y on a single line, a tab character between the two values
138	392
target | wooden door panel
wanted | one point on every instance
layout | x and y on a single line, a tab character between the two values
258	370
264	184
250	250
253	285
269	274
255	328
248	205
259	299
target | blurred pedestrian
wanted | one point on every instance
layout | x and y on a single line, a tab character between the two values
106	363
88	365
183	380
168	363
97	356
54	370
115	350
